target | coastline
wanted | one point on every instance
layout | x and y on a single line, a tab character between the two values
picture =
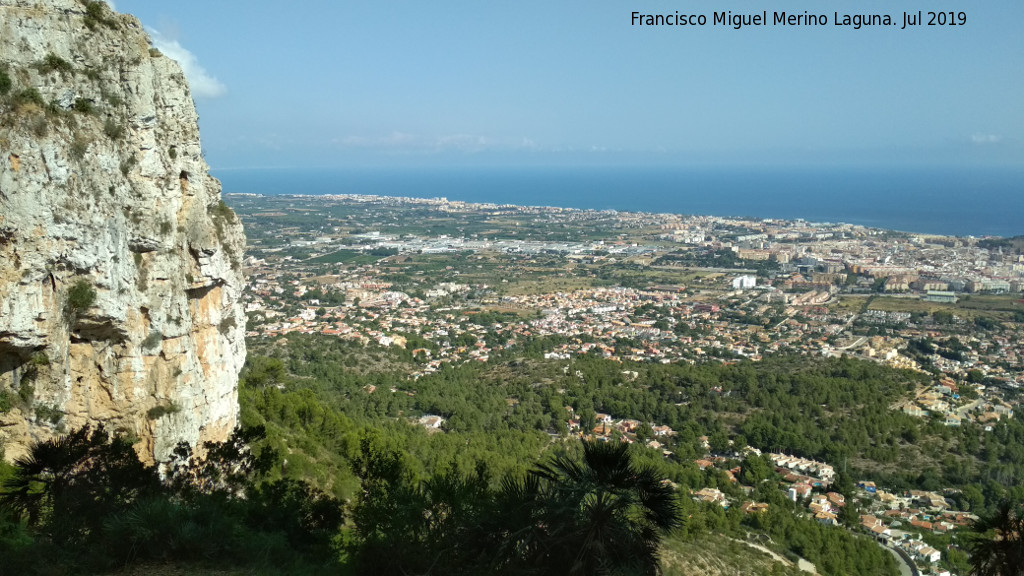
944	202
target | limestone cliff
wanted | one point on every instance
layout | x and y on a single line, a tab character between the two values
120	267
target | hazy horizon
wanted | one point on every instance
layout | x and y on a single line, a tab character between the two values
950	200
361	84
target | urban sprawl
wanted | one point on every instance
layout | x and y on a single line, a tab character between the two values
455	282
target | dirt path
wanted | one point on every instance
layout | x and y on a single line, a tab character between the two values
802	564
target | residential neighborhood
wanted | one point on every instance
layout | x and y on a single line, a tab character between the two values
461	283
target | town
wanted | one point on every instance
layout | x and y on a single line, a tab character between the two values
453	283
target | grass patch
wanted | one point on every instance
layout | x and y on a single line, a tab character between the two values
549	285
970	306
28	96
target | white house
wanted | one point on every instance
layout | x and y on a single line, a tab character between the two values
744	282
929	554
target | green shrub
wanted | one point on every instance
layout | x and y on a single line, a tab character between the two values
113	130
5	83
223	211
127	165
111	98
39	126
222	214
161	410
26	392
48	413
80	297
96	14
153	339
53	63
173	152
29	96
226	325
83	106
53	109
155	53
78	148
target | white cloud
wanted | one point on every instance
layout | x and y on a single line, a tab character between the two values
986	138
202	83
404	141
462	142
393	140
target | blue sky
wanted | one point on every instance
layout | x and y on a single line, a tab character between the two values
352	83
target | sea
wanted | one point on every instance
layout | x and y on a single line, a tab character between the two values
955	201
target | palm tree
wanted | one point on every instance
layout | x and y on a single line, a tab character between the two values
66	485
997	547
601	515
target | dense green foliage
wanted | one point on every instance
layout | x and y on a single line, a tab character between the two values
592	513
501	487
836	410
711	258
84	501
504	415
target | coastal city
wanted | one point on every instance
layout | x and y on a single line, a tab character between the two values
452	282
700	287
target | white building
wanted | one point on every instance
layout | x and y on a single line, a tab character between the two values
744	282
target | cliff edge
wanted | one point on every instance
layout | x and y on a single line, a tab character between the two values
120	267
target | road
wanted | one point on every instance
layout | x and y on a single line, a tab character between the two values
854	344
906	568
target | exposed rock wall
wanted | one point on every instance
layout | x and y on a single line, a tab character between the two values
120	267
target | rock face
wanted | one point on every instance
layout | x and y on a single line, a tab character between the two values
120	267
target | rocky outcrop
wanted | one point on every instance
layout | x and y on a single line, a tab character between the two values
120	267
